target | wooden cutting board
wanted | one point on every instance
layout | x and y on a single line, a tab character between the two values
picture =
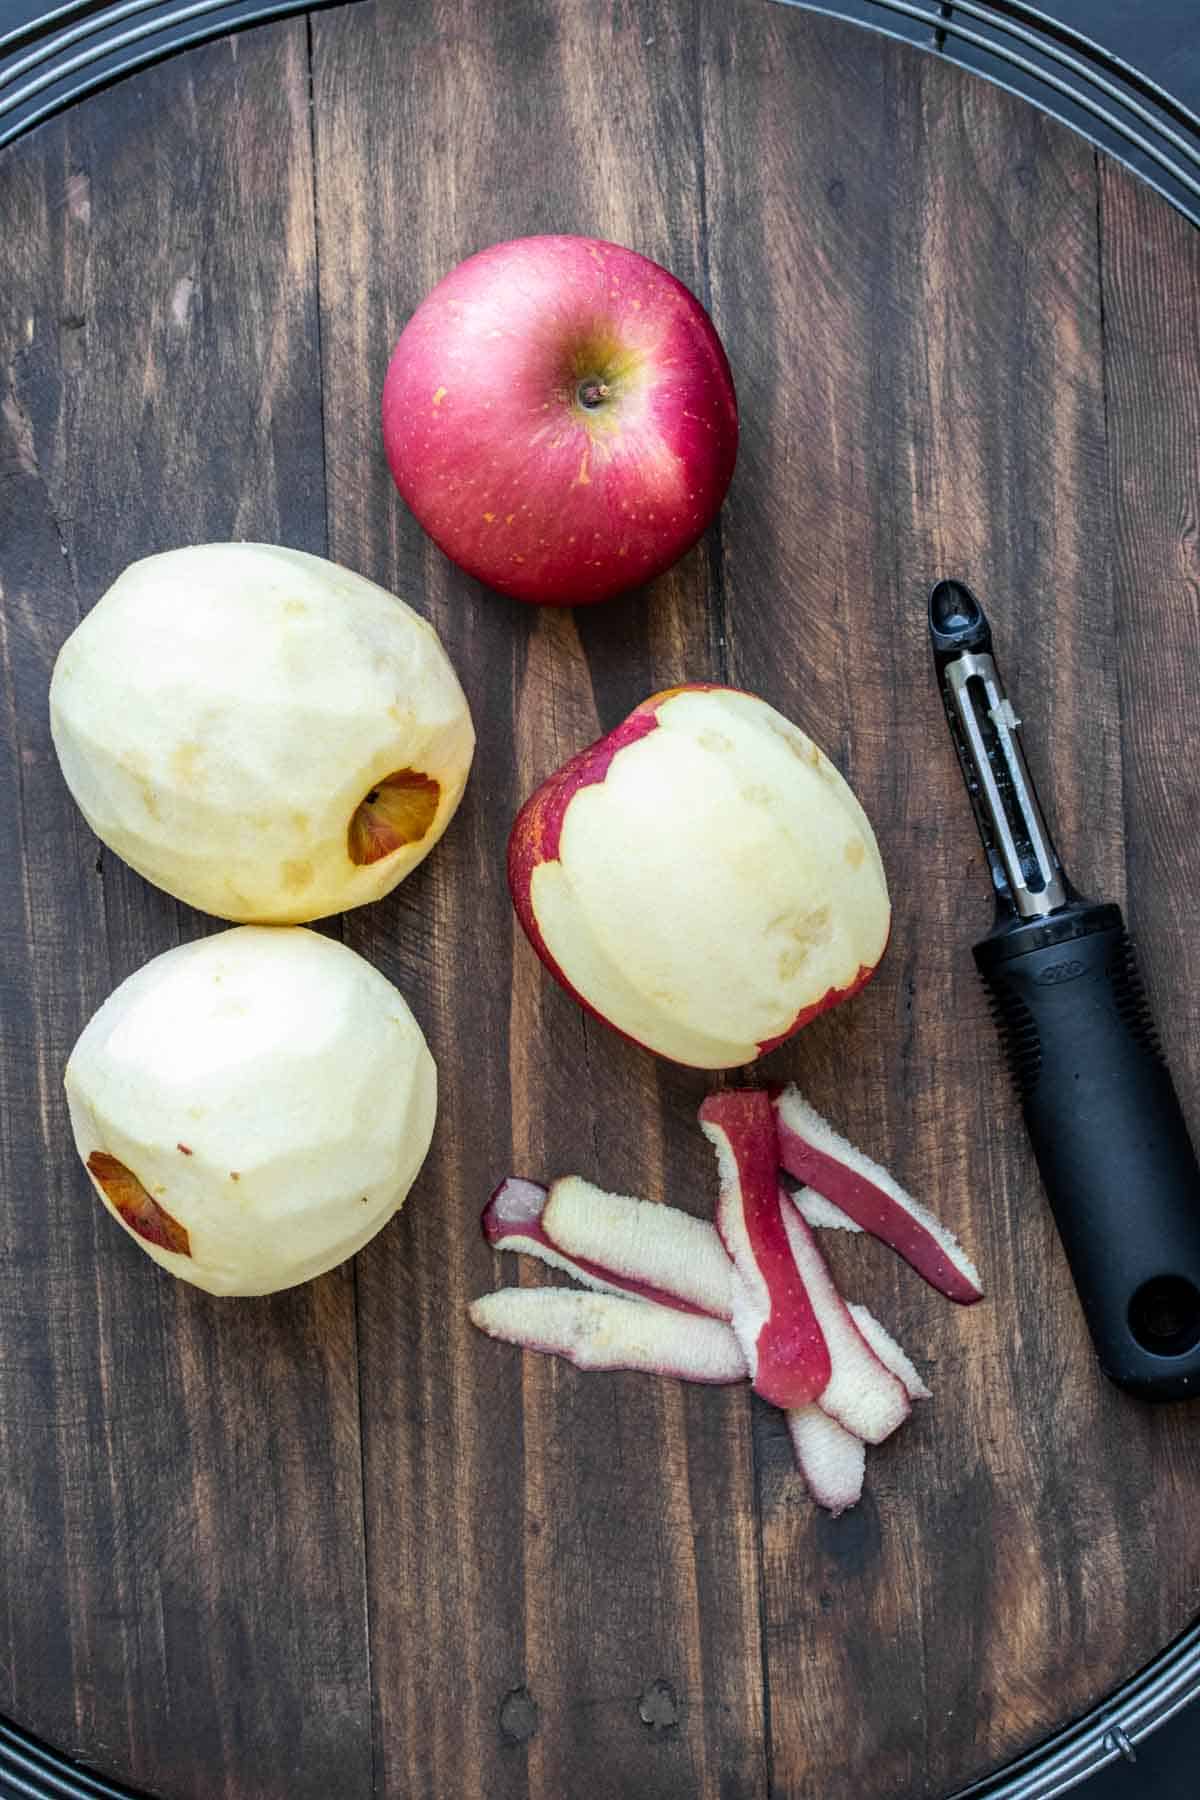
333	1544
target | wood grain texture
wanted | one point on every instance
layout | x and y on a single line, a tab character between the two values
585	1549
335	1544
913	282
181	1516
1150	262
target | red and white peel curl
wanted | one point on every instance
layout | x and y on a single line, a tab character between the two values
512	1220
673	1295
861	1394
815	1154
773	1316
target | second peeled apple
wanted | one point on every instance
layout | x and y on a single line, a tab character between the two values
702	878
264	734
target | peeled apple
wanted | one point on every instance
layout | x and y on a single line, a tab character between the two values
702	878
262	733
253	1107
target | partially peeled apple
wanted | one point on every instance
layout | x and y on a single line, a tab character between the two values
262	733
253	1107
702	878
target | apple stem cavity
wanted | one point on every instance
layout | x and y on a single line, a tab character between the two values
592	392
398	810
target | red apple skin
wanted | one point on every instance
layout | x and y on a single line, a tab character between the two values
537	831
876	1212
831	997
491	445
794	1363
537	828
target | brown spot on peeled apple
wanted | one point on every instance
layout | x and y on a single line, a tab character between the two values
135	1206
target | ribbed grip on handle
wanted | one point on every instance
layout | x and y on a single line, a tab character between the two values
1109	1137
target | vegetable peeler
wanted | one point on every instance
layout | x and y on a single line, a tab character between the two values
1100	1106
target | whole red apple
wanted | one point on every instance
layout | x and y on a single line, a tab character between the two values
560	416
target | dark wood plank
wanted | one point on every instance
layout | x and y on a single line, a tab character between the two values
582	1547
1150	260
905	265
182	1576
958	349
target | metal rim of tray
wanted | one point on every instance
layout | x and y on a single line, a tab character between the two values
84	45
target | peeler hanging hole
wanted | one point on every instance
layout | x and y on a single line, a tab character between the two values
954	612
1164	1315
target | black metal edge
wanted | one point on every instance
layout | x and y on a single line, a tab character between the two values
1163	149
1021	49
31	1770
82	45
1109	1732
144	32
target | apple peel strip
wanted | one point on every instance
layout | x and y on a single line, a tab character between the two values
514	1219
861	1394
892	1355
612	1331
812	1152
773	1315
821	1213
831	1459
641	1241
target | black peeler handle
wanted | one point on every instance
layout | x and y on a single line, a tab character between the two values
1110	1139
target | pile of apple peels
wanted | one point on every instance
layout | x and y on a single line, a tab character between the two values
750	1296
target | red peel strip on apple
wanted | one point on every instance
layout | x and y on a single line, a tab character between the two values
831	1459
536	833
861	1394
773	1316
512	1220
815	1154
834	996
537	828
609	1331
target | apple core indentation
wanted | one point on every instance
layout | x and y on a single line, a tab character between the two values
396	811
